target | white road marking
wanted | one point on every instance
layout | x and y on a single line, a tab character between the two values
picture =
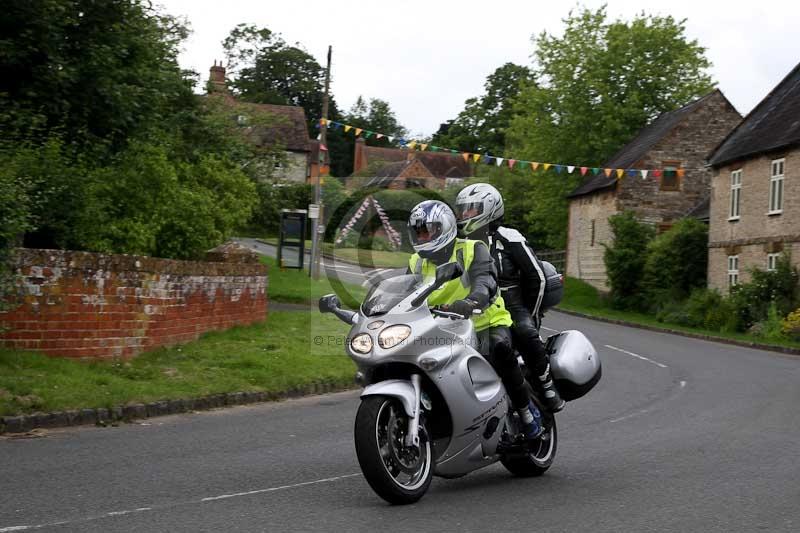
620	419
273	489
9	529
636	355
550	329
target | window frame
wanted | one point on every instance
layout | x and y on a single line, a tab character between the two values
776	186
733	270
593	233
736	192
772	261
665	165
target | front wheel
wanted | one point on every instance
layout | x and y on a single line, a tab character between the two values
541	454
397	473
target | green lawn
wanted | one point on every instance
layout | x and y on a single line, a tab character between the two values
271	356
295	286
365	258
583	298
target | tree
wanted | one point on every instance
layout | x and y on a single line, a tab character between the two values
594	88
600	83
373	115
481	126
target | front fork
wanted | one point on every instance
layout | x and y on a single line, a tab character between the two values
412	437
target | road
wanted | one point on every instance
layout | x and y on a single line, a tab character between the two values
680	435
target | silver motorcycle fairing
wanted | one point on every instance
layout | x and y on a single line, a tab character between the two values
472	390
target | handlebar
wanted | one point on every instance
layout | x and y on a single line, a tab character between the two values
441	310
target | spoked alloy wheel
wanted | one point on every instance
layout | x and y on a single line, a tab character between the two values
398	473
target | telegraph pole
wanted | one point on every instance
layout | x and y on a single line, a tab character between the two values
319	228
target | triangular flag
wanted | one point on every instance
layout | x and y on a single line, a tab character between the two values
499	161
391	139
323	121
487	159
511	163
608	172
412	144
547	166
570	169
583	170
347	127
423	146
323	147
534	165
476	157
620	172
644	174
453	151
367	134
379	135
632	172
465	155
681	172
657	173
434	148
559	168
319	136
358	131
595	171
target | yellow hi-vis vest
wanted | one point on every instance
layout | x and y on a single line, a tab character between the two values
458	289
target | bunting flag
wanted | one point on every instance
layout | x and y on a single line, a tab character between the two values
489	159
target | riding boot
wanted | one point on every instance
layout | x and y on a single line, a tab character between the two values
552	400
531	422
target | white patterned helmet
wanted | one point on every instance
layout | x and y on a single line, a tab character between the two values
477	206
431	227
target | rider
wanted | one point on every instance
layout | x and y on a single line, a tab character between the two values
432	229
522	282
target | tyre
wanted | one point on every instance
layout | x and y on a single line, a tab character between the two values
541	456
398	474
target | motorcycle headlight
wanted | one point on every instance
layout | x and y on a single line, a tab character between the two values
361	343
393	335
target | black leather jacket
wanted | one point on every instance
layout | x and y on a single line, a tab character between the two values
520	272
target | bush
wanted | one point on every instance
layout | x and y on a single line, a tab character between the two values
625	260
769	328
790	326
272	197
709	309
752	300
676	263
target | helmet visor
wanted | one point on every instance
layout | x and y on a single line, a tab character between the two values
423	232
468	211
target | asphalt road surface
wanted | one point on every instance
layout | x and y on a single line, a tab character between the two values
680	435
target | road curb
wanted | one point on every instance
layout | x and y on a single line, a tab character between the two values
701	336
102	416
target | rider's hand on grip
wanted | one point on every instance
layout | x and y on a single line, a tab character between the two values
464	308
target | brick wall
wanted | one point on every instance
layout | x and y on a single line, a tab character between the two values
689	143
584	258
755	233
78	304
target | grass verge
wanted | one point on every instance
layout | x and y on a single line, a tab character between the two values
581	297
271	356
365	258
295	286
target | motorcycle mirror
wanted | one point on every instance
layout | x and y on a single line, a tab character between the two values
448	272
329	303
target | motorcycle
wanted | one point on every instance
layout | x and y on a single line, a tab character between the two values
431	404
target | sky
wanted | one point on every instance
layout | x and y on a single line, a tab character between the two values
427	58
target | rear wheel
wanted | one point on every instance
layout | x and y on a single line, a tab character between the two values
398	473
541	454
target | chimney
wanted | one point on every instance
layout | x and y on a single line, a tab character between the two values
216	79
360	160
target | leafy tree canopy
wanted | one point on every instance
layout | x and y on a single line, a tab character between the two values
481	126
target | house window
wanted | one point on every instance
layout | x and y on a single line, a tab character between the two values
733	270
242	120
776	187
736	194
592	234
772	262
278	163
670	181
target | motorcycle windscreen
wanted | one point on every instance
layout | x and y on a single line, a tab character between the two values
388	293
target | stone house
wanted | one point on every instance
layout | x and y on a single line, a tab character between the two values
434	170
289	129
755	198
677	144
408	174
